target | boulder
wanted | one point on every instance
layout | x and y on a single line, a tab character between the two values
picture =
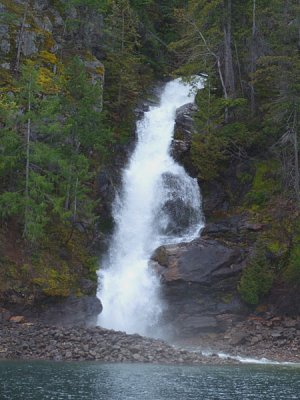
18	319
199	261
200	281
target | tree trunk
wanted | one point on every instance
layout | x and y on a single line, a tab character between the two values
28	134
75	202
20	42
239	68
228	60
253	58
218	62
67	201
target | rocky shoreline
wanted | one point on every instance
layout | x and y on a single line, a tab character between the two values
270	337
34	341
276	339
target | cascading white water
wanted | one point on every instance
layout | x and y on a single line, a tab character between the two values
159	203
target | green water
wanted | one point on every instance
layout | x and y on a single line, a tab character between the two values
95	381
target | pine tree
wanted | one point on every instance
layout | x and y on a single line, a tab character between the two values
122	64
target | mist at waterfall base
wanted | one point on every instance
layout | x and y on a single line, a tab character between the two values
158	204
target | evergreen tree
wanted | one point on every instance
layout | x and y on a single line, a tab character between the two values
122	63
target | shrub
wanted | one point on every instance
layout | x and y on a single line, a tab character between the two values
256	280
292	273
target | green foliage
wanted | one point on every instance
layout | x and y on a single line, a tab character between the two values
94	5
56	283
255	107
122	63
11	204
58	127
67	134
292	272
208	155
265	183
85	121
216	140
257	279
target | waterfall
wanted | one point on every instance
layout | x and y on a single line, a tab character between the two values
158	204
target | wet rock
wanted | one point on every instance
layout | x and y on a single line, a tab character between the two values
73	311
238	338
176	214
184	122
199	261
184	129
88	287
257	338
199	284
199	322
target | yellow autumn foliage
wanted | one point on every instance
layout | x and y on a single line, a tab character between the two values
48	57
46	81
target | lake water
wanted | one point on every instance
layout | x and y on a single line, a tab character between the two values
96	381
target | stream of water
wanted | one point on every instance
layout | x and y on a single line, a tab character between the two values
158	203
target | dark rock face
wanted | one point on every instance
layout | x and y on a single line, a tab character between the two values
236	229
285	300
47	22
72	311
184	129
228	190
184	124
175	215
199	284
199	261
108	182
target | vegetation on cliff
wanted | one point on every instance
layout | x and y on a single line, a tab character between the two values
71	76
249	116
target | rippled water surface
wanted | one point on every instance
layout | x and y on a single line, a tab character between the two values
80	381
